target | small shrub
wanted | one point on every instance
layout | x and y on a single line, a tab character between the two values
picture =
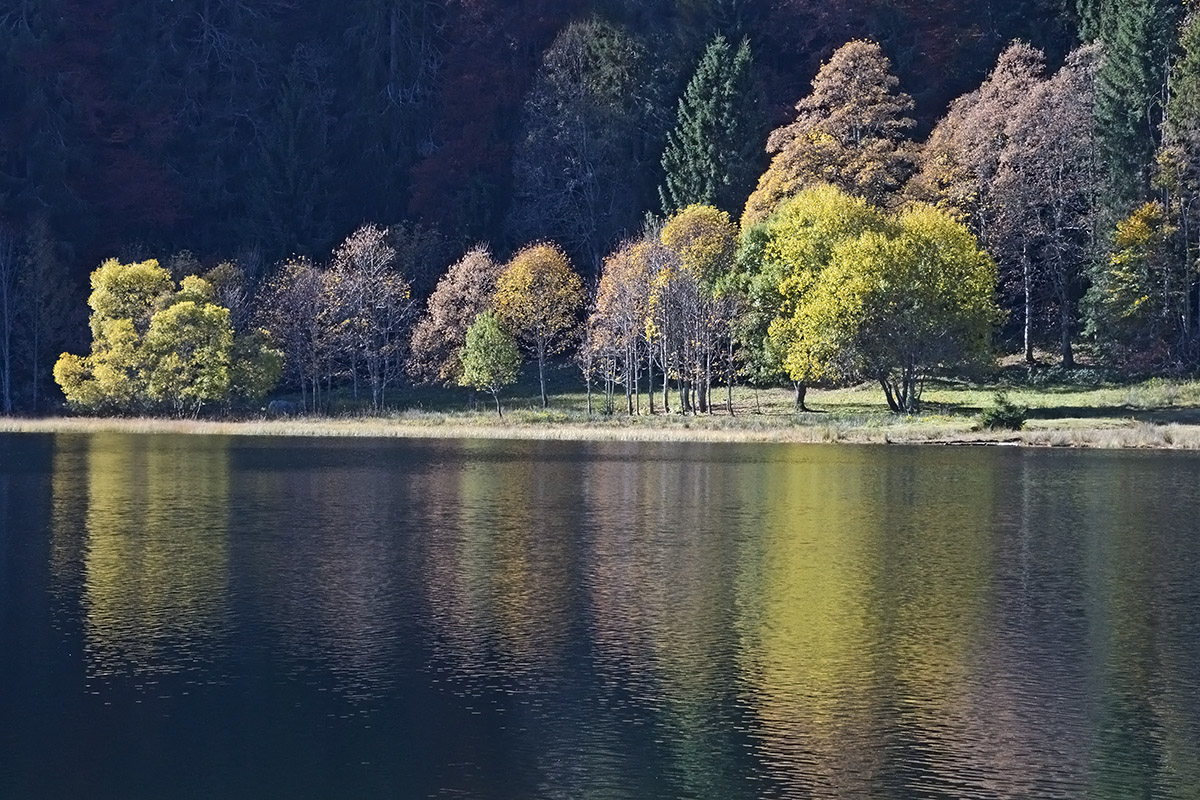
1004	415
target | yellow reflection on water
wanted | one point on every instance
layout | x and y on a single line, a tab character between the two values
153	548
807	655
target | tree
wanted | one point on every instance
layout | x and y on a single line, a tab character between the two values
781	262
490	357
1138	303
851	132
1138	38
188	353
703	241
1045	192
957	166
617	325
711	155
386	89
462	294
585	140
369	308
1178	167
155	346
289	200
46	312
8	316
895	303
294	306
538	297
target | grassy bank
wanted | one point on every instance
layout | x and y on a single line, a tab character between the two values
1152	414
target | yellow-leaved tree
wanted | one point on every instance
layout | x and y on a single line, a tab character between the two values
538	298
155	347
895	303
780	261
691	312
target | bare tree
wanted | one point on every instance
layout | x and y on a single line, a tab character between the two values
371	307
462	294
1045	189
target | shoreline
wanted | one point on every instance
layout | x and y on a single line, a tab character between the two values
763	429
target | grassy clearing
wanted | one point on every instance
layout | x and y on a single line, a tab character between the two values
1151	414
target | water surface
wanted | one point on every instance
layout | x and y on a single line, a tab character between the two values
208	617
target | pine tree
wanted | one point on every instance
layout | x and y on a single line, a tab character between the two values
710	157
1138	38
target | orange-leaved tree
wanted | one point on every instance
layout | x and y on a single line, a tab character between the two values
851	132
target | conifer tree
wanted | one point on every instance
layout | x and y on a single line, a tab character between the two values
1183	108
1138	38
711	155
1094	16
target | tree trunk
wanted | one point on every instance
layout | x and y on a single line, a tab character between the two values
650	378
666	373
1064	319
801	393
542	372
729	377
706	389
496	396
887	392
637	381
1027	279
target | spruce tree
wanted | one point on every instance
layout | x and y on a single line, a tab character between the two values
1094	16
711	155
1138	37
1183	108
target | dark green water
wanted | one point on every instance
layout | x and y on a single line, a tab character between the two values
190	617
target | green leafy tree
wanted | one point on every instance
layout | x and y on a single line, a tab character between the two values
256	365
711	155
894	304
490	358
1178	175
1094	18
1137	304
538	297
187	354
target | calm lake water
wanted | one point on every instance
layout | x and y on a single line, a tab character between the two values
206	617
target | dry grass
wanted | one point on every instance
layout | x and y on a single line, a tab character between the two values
804	428
1152	414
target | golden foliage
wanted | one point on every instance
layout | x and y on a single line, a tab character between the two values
538	296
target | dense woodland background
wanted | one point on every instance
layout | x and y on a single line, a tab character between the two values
200	131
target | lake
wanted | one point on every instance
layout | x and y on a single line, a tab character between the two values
224	617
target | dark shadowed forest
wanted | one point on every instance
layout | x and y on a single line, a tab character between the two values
371	143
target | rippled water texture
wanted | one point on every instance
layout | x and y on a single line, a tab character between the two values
191	617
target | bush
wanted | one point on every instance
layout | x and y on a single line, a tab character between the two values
1004	415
